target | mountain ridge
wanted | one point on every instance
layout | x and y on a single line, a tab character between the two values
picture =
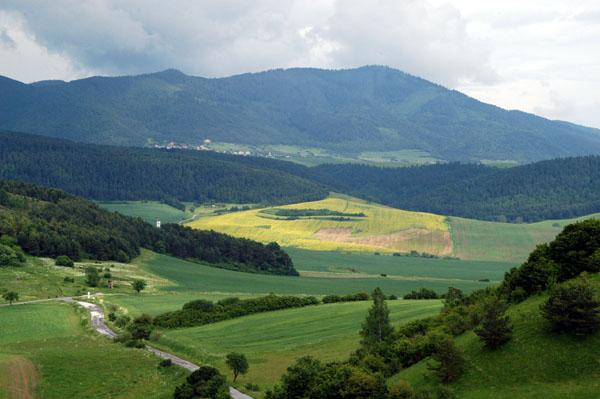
370	108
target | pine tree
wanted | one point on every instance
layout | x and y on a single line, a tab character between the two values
376	327
495	326
451	362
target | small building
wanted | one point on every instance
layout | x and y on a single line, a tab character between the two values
110	284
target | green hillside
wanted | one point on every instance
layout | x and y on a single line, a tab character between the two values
51	345
535	363
347	111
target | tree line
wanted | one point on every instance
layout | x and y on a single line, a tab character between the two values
50	222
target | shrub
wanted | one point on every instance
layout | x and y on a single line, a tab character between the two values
165	363
449	359
401	390
64	260
201	305
68	279
11	256
122	321
92	278
112	316
107	275
252	387
206	382
495	327
573	307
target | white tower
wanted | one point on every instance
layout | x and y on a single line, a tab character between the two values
158	224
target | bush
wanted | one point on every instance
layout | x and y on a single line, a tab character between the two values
573	307
252	387
192	317
64	260
122	321
11	256
68	279
107	275
112	316
201	305
165	363
423	293
206	382
401	390
92	278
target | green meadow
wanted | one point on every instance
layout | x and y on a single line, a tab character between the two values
273	340
149	211
192	277
69	360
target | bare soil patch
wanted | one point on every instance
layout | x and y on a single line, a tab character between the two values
18	377
431	241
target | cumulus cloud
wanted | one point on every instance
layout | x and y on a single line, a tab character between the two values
234	36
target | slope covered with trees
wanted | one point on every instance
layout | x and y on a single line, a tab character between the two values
122	173
50	222
347	111
554	189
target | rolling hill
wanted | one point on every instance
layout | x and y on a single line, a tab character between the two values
348	111
386	230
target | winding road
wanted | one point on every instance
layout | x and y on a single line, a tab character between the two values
97	316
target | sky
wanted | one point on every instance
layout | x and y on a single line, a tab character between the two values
538	56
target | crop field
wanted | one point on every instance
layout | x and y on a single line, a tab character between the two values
149	211
273	340
52	345
474	239
381	229
192	277
406	266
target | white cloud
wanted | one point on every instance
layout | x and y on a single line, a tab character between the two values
539	56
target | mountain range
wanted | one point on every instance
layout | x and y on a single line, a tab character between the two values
346	111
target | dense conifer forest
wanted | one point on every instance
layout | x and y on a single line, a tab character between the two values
50	222
555	189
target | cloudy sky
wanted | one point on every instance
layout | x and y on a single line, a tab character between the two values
540	56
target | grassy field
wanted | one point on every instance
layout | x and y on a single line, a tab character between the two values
474	239
534	364
406	266
382	228
71	361
149	211
273	340
192	277
312	156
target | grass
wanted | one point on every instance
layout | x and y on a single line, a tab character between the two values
40	278
273	340
379	221
329	261
535	363
474	239
192	277
149	211
156	304
72	361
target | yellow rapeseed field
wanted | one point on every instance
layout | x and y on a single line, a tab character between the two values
378	221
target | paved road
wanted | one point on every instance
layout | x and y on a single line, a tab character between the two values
97	315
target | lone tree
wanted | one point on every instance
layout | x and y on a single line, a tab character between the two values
573	307
11	297
92	277
495	326
238	363
450	361
139	285
376	327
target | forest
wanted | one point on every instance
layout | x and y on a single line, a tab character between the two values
50	223
121	173
553	189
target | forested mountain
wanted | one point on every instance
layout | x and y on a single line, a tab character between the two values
559	188
50	222
122	173
348	111
555	189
